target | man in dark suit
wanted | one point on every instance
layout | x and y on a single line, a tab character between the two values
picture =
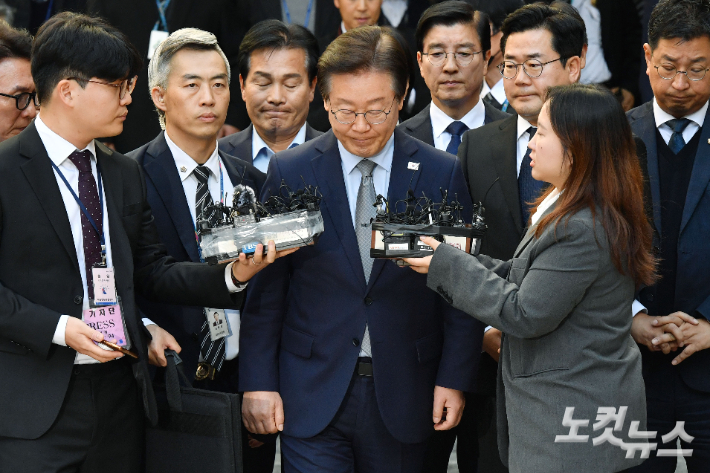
495	157
63	410
18	103
173	164
673	128
348	356
277	74
453	43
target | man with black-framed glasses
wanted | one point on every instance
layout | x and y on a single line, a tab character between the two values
18	102
349	357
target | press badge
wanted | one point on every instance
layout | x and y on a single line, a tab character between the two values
218	323
108	321
156	37
104	286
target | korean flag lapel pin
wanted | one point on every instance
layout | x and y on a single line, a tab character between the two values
413	166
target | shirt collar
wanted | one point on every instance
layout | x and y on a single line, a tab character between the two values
383	158
57	147
662	117
440	120
545	204
523	126
184	162
257	143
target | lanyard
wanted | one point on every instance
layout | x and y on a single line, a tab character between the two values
162	8
288	13
83	208
221	199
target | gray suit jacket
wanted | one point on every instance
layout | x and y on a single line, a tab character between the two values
564	310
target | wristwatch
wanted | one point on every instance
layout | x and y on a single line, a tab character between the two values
240	285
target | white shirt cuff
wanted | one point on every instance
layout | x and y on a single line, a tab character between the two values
147	321
487	329
637	307
60	332
228	279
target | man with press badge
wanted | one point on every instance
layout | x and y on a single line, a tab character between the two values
77	242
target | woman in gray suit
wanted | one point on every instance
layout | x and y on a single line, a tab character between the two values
564	300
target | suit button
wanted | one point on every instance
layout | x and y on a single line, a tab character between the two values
650	297
356	342
78	300
368	301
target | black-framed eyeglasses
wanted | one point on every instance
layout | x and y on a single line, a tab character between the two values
669	71
463	58
23	100
373	117
124	87
532	67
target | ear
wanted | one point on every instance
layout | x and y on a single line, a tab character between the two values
158	96
66	91
241	87
337	4
583	57
486	58
401	101
574	68
647	53
420	58
313	90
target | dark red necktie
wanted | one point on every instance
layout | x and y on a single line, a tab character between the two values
89	196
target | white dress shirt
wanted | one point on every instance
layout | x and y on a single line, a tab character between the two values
261	153
185	166
380	175
696	122
394	11
59	150
596	70
440	121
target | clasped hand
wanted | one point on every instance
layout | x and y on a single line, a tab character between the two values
670	332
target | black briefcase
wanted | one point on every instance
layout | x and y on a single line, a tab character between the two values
197	431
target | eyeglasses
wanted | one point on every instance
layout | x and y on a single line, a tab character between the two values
462	58
23	100
668	72
532	67
126	86
373	117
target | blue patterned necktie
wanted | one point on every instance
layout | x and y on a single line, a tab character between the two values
528	188
455	129
677	142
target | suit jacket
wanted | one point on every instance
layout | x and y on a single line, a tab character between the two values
419	126
166	198
303	319
693	278
40	279
239	144
564	310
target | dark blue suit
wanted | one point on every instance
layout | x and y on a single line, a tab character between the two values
166	197
691	378
306	313
239	144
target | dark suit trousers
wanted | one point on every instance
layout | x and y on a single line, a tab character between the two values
254	459
356	441
669	400
99	428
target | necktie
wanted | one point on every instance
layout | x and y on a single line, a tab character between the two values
528	188
677	142
212	352
364	212
89	196
455	129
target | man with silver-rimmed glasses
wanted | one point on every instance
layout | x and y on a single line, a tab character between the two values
18	102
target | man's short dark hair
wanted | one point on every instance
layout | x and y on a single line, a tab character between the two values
76	45
497	10
275	34
450	13
682	19
14	43
569	34
365	49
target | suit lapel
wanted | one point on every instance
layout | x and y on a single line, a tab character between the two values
645	128
531	232
329	174
504	153
160	167
310	132
700	175
236	171
242	145
421	126
39	173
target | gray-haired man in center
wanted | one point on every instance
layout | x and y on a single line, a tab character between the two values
184	171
